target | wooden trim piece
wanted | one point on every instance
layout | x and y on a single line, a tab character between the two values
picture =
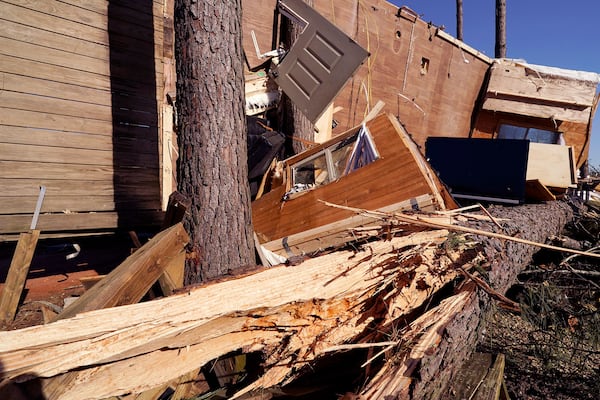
17	274
463	46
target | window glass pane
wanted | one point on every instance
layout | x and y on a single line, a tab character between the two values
542	136
532	134
340	155
511	132
312	172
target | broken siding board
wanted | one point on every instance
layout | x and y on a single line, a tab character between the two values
523	82
513	106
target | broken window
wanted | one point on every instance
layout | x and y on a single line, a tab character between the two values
532	134
333	162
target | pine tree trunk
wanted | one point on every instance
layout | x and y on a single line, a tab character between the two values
459	19
212	165
500	29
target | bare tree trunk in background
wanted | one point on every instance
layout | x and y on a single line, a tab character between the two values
212	166
459	19
295	124
500	29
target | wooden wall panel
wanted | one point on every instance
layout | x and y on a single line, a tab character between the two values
80	86
394	177
436	100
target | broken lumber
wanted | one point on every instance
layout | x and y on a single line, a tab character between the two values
117	349
17	275
128	283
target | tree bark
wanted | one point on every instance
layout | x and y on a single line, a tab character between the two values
212	165
459	19
500	29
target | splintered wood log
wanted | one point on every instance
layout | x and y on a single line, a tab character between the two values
17	275
129	282
385	295
118	349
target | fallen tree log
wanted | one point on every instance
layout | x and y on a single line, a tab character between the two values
295	316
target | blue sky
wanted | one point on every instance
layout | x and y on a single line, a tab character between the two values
555	33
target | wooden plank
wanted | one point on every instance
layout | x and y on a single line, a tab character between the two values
173	276
68	91
537	110
144	71
18	66
57	203
520	81
130	281
90	20
17	274
126	284
43	154
93	221
70	44
71	171
551	164
29	102
29	187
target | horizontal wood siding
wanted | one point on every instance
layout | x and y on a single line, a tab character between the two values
81	91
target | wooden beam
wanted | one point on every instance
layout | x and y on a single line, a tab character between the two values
17	274
129	282
173	276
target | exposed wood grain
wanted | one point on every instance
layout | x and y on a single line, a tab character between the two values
128	283
218	325
519	81
17	274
